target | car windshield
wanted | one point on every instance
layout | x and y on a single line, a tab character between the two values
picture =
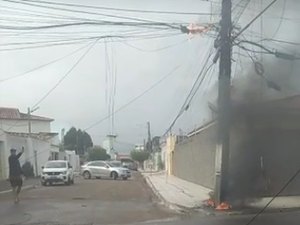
55	165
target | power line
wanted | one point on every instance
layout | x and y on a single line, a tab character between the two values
65	76
134	99
243	8
254	19
27	12
153	25
281	20
274	197
79	11
154	50
43	65
193	91
278	54
280	41
187	105
83	40
122	9
259	69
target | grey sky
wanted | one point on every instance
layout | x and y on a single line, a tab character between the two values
80	99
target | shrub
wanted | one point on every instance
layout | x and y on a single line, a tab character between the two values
27	169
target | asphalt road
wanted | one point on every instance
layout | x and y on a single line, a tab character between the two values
95	201
112	202
289	218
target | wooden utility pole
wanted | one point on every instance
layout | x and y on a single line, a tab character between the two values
149	145
224	104
29	120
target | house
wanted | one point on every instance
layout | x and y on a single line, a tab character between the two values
40	144
167	146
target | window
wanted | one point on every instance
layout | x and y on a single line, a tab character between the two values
54	164
100	164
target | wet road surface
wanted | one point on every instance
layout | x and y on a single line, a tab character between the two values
94	201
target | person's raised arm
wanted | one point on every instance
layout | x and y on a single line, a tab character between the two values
20	153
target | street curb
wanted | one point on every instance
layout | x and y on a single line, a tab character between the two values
161	198
172	206
24	188
151	172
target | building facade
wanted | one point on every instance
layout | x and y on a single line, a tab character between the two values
40	144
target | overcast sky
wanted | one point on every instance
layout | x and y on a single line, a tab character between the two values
80	100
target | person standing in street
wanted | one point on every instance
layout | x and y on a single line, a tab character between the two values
15	173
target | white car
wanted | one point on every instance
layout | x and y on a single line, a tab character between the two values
57	171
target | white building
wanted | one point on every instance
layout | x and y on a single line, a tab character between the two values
139	147
109	145
40	145
72	158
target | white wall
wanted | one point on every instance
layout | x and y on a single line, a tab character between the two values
21	126
43	149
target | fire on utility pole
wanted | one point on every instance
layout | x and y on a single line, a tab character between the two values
224	104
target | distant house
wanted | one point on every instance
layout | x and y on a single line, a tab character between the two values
11	119
40	145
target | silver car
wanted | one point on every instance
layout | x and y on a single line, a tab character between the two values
104	169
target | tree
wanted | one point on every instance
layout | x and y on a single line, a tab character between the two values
77	140
97	153
139	156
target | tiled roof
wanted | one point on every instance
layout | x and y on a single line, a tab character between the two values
9	113
15	114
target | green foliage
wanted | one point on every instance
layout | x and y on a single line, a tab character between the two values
139	156
97	153
77	140
27	169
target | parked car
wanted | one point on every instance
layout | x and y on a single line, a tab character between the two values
57	171
116	163
104	169
130	165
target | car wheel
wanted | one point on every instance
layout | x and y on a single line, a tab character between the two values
43	183
114	175
87	175
124	178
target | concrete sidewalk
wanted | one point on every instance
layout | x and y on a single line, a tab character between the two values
28	183
179	194
175	192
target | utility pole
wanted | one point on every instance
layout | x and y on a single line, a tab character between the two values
224	104
149	146
29	111
29	120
